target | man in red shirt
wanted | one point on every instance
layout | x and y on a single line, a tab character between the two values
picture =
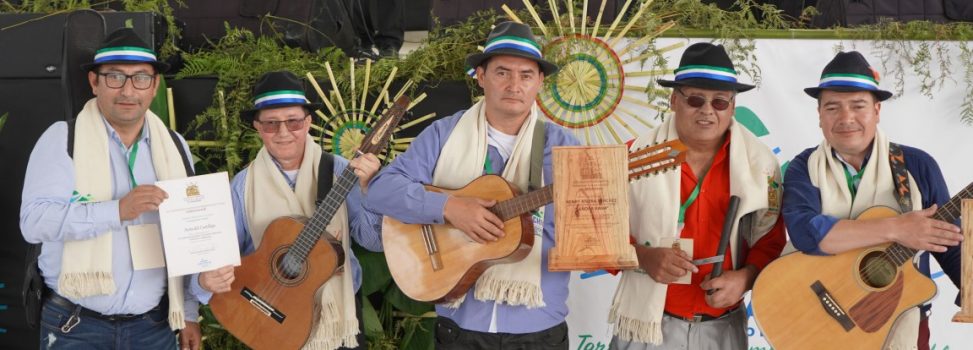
652	308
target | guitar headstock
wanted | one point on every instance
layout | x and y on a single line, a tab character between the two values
650	160
377	139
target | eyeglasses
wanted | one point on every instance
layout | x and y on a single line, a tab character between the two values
140	81
694	101
271	126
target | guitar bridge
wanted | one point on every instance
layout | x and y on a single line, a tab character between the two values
831	306
262	306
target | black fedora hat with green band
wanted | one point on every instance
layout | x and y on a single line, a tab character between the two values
849	72
126	47
512	39
706	66
277	90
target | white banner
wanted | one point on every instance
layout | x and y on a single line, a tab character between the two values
790	117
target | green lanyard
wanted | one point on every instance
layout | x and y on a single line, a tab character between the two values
487	166
852	179
689	201
131	160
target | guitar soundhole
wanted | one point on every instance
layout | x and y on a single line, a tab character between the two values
287	268
876	270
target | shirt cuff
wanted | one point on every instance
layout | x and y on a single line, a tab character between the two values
105	215
190	310
435	206
197	290
820	226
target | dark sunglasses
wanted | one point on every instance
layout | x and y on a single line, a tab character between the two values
694	101
271	126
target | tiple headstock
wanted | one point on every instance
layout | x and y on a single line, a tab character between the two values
653	159
377	139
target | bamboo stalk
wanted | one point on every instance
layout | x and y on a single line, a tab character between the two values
327	102
416	121
601	10
205	143
631	22
624	124
510	13
351	95
334	85
537	19
385	89
646	73
644	39
571	15
414	101
617	19
557	16
584	16
364	91
172	109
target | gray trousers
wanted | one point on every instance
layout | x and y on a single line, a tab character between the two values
727	333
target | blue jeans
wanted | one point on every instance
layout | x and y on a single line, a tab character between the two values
148	331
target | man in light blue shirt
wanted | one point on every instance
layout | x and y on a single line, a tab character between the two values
127	308
489	138
283	180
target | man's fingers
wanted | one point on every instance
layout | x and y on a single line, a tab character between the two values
494	224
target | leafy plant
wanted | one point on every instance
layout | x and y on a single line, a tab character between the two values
3	120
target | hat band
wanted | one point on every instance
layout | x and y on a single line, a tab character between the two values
272	99
135	56
849	83
852	80
514	45
705	75
706	72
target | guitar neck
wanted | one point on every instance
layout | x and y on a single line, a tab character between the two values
524	203
315	226
949	212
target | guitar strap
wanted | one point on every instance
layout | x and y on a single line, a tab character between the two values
537	156
901	177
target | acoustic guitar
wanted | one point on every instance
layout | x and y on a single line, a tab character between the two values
272	303
848	300
439	263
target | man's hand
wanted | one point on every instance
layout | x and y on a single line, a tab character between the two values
664	265
472	217
365	167
217	281
141	199
190	337
728	289
918	230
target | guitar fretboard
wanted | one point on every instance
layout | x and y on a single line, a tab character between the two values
949	212
519	205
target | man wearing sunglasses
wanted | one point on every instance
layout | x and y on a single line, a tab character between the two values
283	181
652	308
89	199
851	171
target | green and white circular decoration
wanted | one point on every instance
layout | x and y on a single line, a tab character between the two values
352	109
589	86
600	93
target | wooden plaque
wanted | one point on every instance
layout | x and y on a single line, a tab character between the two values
591	209
965	313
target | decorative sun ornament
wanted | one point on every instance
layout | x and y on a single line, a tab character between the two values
346	124
600	90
